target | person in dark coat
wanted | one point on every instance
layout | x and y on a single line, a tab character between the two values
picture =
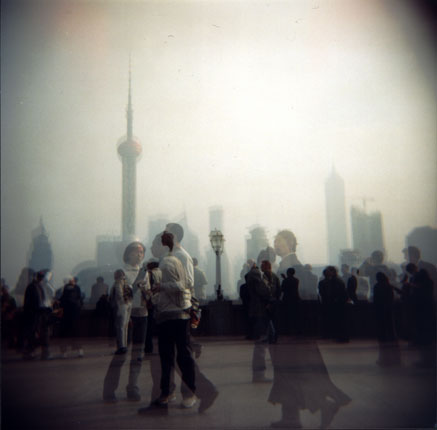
71	303
383	298
33	301
291	301
352	286
274	285
245	297
333	295
422	305
259	293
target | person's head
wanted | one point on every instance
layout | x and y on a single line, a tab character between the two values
158	251
40	275
167	239
266	266
345	269
330	272
134	253
285	243
176	230
119	275
308	267
290	272
412	254
261	256
355	271
377	257
100	279
411	268
381	277
195	261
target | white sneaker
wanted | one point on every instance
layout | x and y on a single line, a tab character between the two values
189	402
80	355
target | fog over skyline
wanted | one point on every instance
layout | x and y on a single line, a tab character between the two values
245	105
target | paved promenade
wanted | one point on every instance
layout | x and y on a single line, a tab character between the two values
308	383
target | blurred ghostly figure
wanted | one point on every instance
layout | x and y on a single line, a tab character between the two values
200	281
274	284
26	276
362	290
8	315
334	298
308	289
412	255
98	290
268	254
71	303
33	305
374	264
291	302
259	298
423	314
383	298
301	381
181	254
285	246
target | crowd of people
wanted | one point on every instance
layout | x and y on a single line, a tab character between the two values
270	298
160	296
159	292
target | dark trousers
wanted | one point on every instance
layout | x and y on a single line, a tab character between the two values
148	347
175	334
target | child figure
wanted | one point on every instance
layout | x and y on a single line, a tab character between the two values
121	299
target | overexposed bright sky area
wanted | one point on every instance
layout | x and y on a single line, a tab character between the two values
246	105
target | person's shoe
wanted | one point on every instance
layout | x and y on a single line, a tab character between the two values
260	379
154	410
171	397
207	401
161	402
80	354
110	399
133	396
120	351
189	402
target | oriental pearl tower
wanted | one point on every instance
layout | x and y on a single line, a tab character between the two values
129	150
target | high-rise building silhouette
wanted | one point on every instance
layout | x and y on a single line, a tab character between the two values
335	216
129	150
40	254
367	232
256	242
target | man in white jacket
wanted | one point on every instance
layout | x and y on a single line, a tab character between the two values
172	299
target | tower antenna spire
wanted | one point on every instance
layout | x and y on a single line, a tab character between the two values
129	107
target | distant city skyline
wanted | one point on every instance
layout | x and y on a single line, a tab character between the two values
240	105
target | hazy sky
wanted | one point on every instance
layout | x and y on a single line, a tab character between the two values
245	104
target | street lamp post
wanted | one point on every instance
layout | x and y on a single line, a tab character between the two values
217	242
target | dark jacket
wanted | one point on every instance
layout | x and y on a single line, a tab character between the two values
259	294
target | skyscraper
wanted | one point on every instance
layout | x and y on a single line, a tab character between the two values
41	255
367	232
256	242
129	150
335	216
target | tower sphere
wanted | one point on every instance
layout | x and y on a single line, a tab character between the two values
129	148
